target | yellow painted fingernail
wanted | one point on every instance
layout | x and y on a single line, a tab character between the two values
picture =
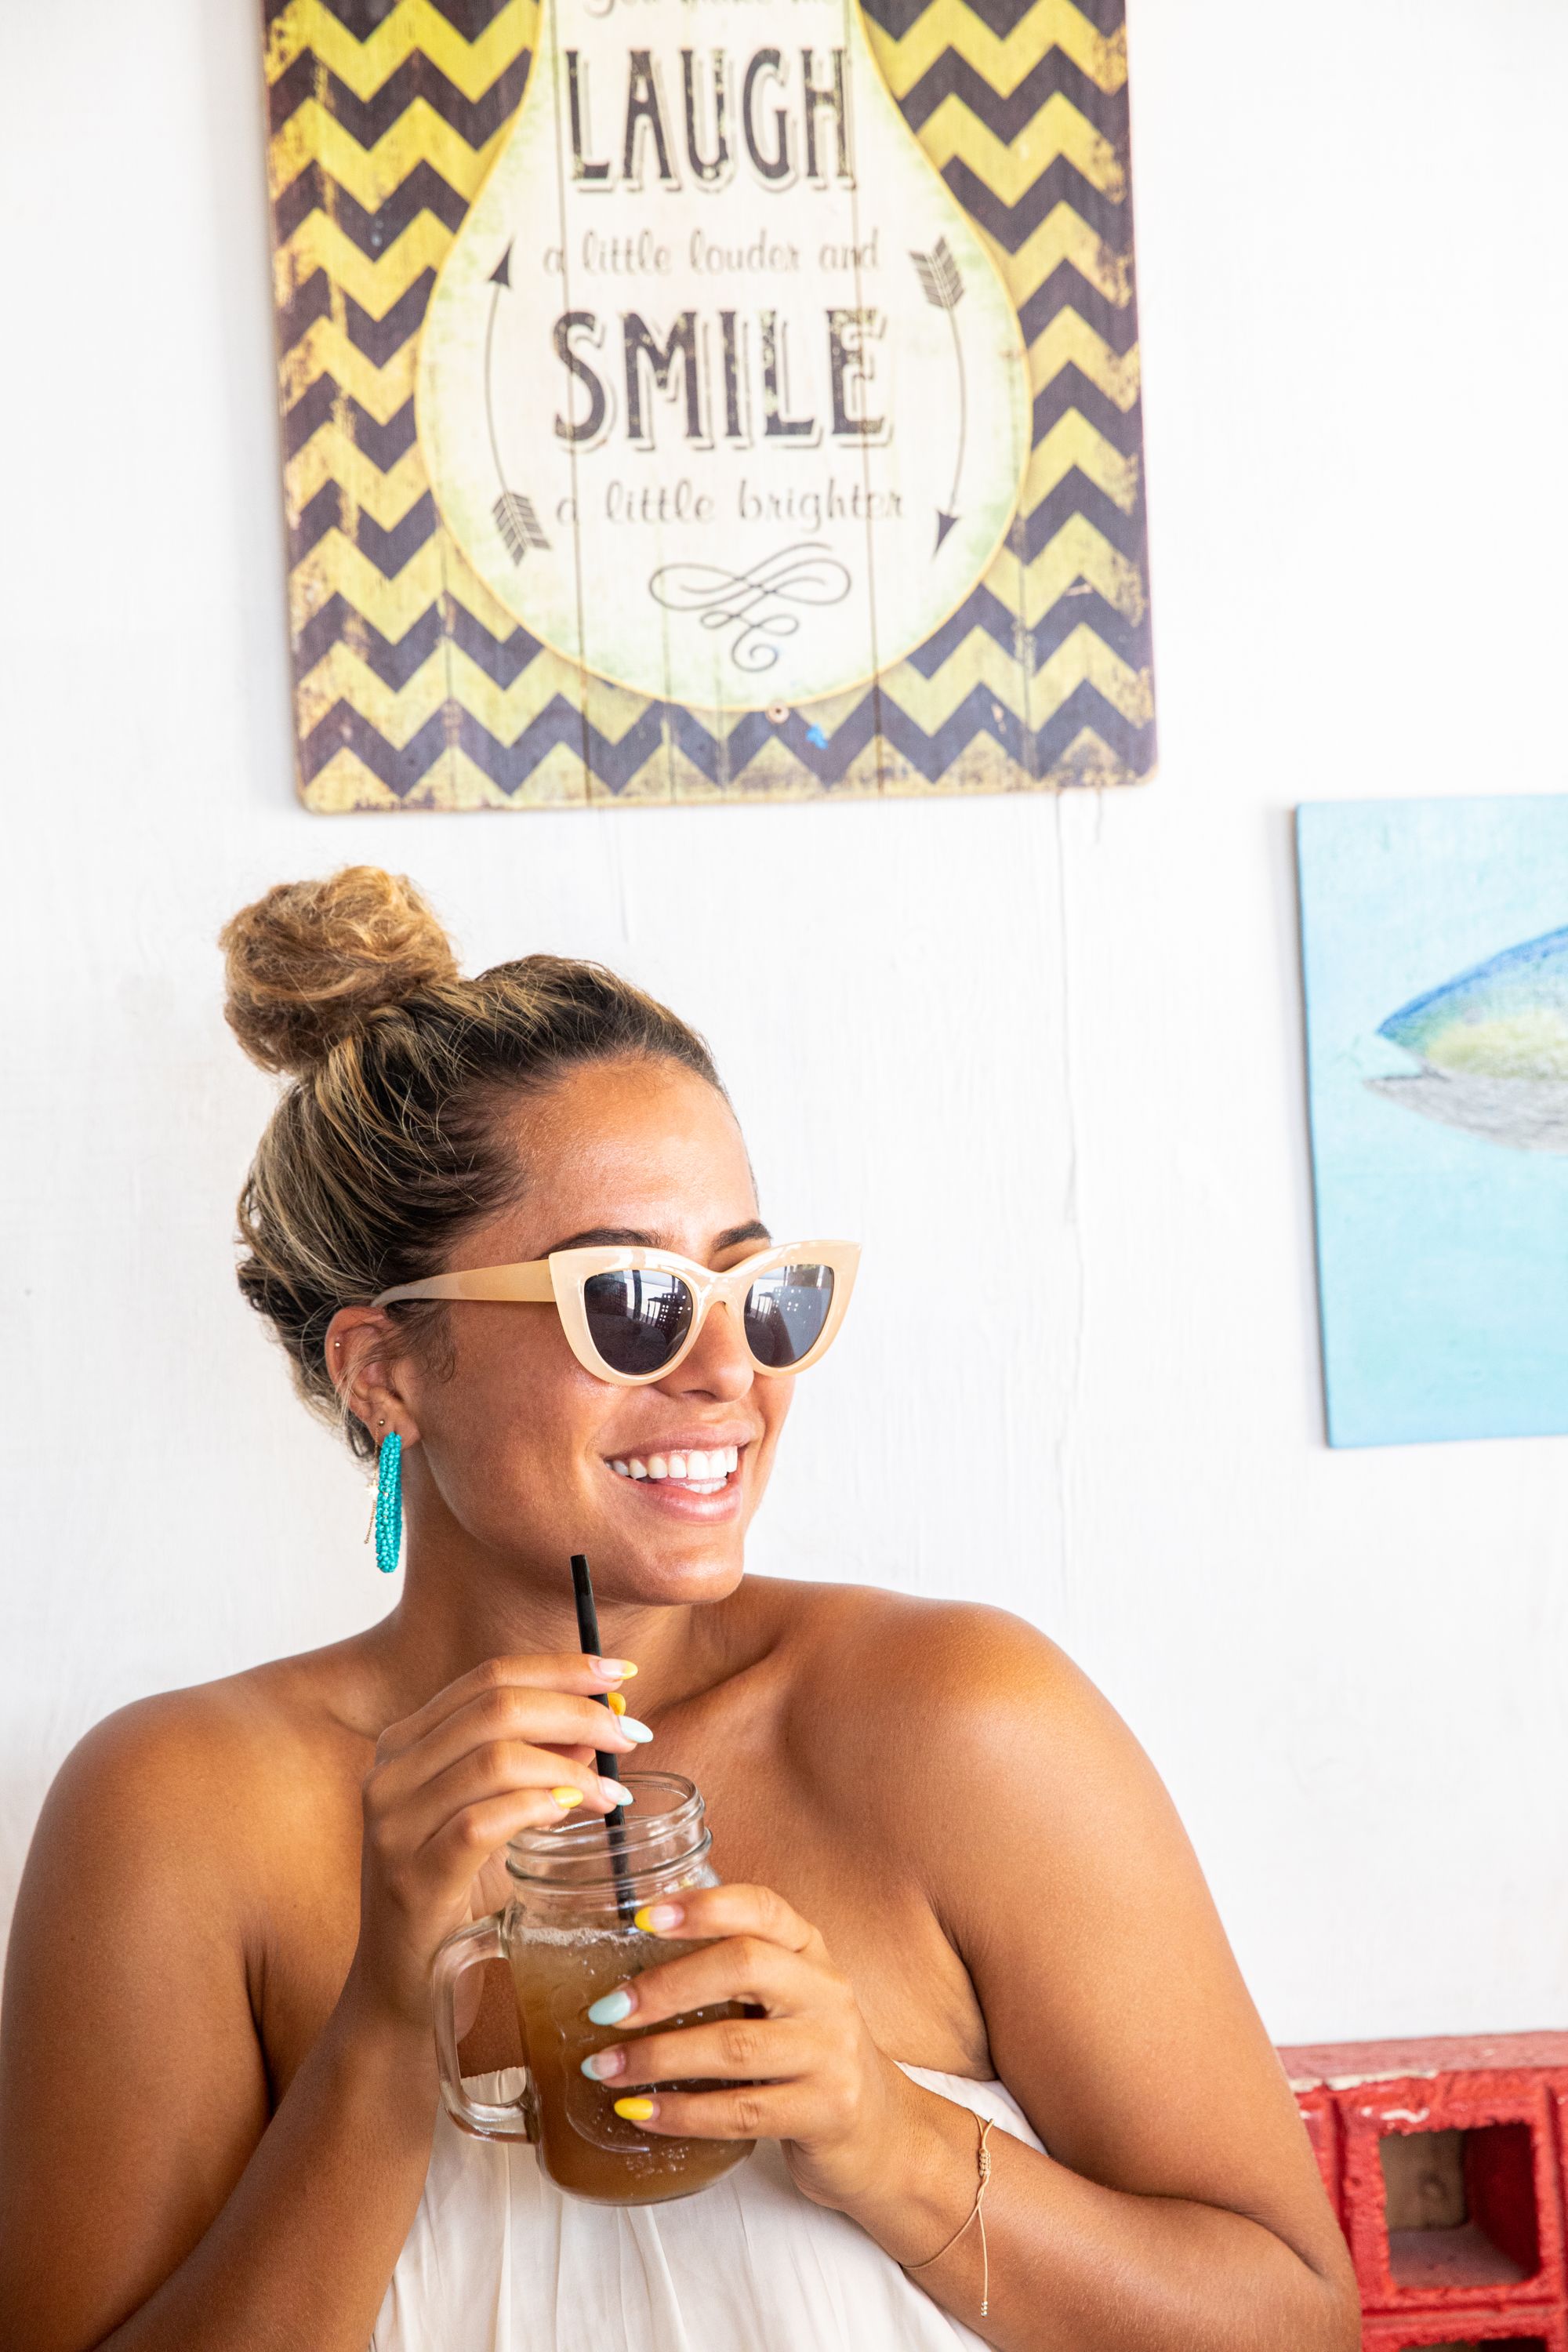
567	1797
616	1703
635	2111
657	1918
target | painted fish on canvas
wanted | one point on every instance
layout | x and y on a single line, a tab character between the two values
1491	1048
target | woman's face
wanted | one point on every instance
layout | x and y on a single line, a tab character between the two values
517	1443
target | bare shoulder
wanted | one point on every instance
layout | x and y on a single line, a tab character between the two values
188	1783
963	1654
880	1672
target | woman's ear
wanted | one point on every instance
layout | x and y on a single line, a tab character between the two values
368	1362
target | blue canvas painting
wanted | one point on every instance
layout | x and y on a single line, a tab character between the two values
1435	942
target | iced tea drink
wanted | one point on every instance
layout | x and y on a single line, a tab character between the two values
584	2144
568	1938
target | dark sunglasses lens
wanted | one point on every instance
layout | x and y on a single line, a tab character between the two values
637	1318
787	1313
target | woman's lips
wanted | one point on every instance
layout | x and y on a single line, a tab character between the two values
699	1483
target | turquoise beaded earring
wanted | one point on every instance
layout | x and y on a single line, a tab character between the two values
388	1502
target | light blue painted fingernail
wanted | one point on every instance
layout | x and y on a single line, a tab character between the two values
633	1728
611	2008
603	2065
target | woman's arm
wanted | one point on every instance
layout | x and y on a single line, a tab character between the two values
1185	2204
1180	2206
147	2201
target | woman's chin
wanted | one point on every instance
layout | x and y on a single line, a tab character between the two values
671	1574
667	1542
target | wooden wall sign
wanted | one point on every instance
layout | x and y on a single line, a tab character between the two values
697	400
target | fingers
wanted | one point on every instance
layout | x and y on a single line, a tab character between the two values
738	1910
458	1851
427	1839
570	1672
735	1911
730	2049
503	1767
767	1955
799	2066
421	1877
539	1718
795	2078
741	1969
762	2111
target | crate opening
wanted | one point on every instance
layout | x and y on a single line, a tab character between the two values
1492	2344
1460	2209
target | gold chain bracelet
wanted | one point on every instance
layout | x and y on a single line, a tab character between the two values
975	2214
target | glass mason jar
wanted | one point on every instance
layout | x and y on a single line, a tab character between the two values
567	1933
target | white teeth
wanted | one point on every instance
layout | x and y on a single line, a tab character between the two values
704	1472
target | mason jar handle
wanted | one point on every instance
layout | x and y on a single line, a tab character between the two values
480	1940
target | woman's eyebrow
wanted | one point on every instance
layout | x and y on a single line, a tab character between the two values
608	1237
632	1237
755	1232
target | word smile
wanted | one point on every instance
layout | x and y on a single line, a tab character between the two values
725	376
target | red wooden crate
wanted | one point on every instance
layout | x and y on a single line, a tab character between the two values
1559	2082
1528	2331
1321	2115
1507	2247
1496	2104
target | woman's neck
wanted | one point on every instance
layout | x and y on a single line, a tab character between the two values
453	1616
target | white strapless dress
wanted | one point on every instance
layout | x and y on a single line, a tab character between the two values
498	2260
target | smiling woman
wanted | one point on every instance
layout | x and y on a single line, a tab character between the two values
510	1222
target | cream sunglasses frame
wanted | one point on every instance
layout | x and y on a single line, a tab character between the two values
559	1280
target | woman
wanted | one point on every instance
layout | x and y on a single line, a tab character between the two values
954	1887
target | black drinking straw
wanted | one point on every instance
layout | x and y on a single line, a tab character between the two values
588	1635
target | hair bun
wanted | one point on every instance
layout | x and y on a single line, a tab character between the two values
310	962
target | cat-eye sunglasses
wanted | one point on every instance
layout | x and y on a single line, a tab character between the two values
633	1315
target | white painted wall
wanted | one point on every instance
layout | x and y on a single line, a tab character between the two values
1068	1036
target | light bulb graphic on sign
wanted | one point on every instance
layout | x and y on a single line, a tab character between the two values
720	392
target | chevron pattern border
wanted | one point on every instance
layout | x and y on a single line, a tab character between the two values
413	689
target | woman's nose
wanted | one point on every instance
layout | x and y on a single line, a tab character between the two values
720	1365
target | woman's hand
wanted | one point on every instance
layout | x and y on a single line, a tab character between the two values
509	1746
806	2070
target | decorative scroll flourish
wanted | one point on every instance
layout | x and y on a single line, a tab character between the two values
755	603
942	283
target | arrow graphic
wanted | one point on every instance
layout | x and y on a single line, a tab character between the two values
942	283
515	518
